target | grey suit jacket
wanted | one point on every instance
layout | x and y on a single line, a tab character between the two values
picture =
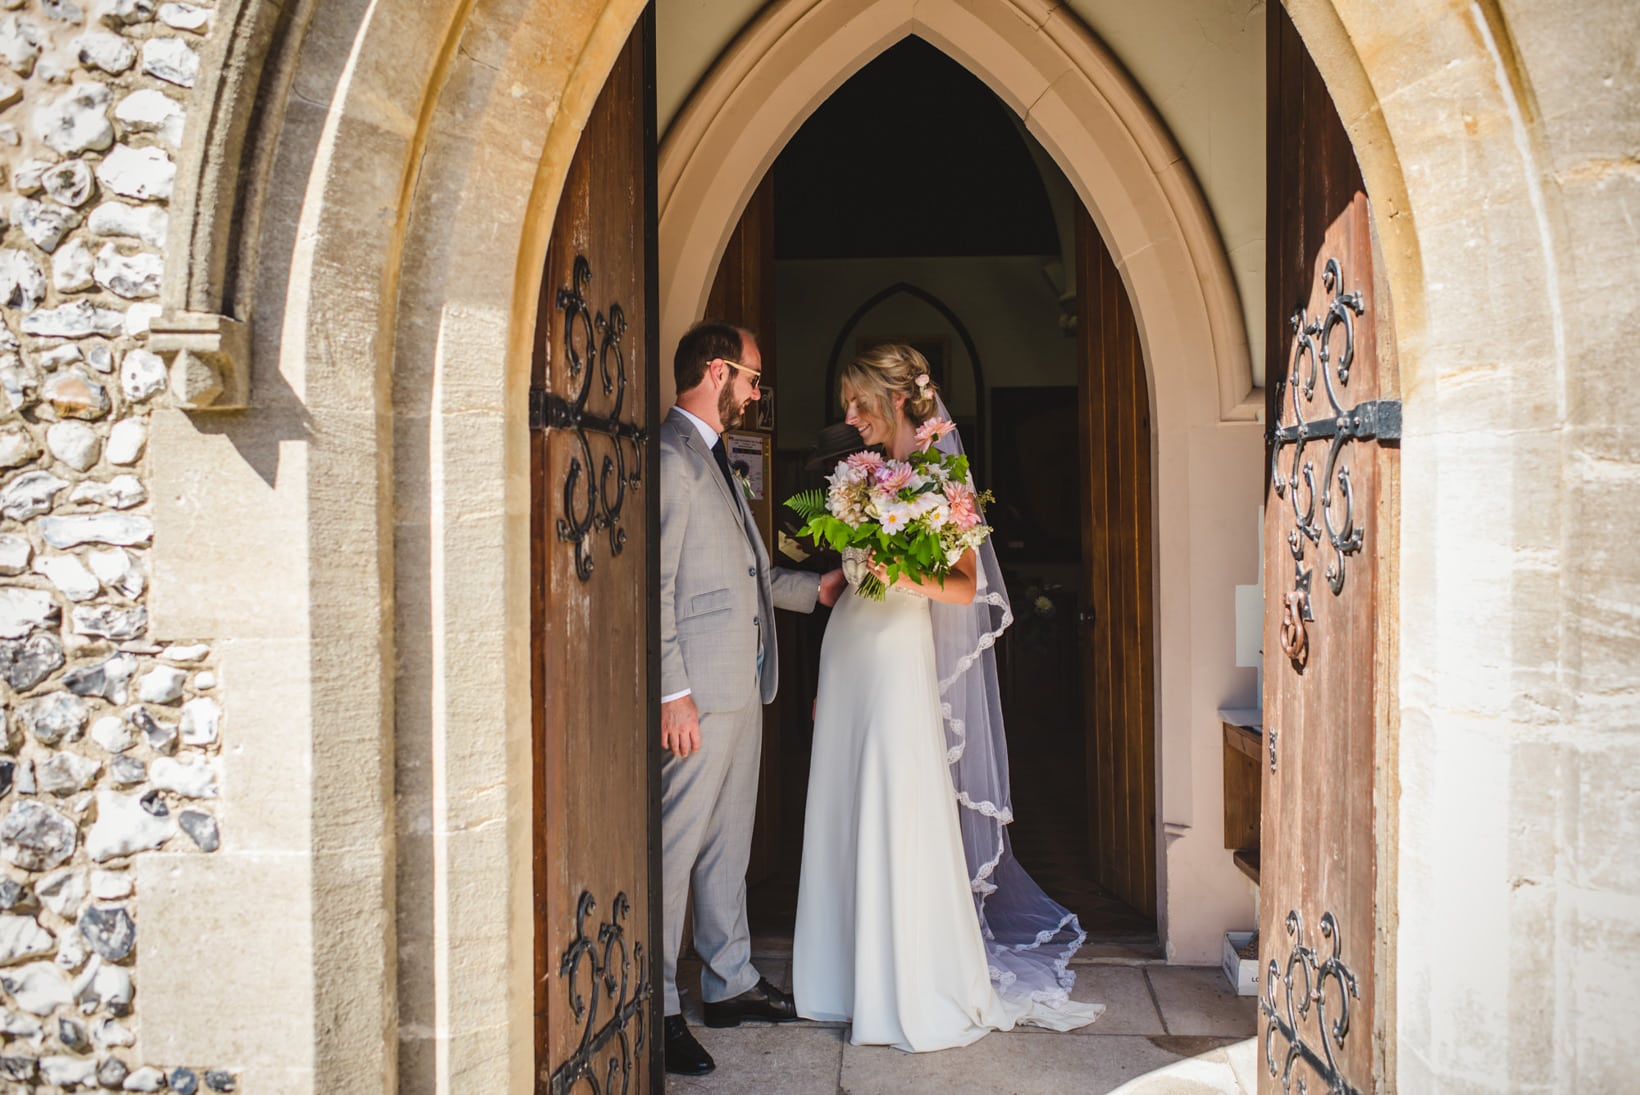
718	591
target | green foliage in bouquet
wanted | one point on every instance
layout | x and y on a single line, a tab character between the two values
915	540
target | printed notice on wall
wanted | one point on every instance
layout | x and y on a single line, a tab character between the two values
748	453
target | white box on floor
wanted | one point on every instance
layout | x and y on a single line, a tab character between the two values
1242	973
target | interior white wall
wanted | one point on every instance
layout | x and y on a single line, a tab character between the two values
1009	307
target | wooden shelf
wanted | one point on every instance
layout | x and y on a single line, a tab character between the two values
1243	747
1247	860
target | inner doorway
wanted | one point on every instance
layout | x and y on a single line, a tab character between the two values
913	206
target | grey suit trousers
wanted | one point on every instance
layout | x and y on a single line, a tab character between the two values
708	803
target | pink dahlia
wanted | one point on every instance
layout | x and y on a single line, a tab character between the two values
932	430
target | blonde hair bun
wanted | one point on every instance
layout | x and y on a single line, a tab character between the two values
890	369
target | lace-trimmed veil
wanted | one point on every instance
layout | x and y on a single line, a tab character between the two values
1029	937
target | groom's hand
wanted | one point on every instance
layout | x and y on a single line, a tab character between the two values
831	586
680	726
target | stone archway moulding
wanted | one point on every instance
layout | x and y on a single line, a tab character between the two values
1072	95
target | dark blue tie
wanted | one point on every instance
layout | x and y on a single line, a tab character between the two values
722	458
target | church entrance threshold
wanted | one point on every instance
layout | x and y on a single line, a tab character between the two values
1166	1029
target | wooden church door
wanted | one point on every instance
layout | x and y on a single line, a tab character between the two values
1117	626
594	656
1331	514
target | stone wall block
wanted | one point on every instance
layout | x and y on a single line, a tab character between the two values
121	571
29	495
134	277
44	224
120	492
21	42
24	663
140	173
117	622
102	528
126	441
142	375
36	837
22	282
76	122
119	14
18	382
71	577
74	444
73	394
69	183
107	52
80	319
17	446
128	823
171	60
36	988
65	11
71	267
149	224
151	111
15	552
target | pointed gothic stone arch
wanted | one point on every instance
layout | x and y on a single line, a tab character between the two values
1078	102
835	358
1071	93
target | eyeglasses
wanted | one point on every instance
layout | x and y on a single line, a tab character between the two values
757	377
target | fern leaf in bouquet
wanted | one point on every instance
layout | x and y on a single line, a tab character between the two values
809	504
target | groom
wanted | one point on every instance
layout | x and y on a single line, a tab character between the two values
718	668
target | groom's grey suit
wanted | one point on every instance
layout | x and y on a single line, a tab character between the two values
718	596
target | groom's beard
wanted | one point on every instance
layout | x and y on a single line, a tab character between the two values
730	415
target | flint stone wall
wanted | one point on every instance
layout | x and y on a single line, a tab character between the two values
111	741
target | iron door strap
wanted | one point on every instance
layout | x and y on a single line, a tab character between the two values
592	345
1336	426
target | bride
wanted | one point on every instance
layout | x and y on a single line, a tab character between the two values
914	921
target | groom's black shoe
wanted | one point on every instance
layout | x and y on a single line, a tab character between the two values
684	1055
762	1002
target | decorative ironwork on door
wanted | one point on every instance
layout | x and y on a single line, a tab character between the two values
1378	419
1310	972
592	345
611	981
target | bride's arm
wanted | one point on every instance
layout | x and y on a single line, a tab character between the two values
959	584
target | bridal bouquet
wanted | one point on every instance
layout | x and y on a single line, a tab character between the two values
916	516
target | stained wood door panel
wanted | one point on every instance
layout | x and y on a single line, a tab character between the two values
743	293
1330	512
593	651
1118	632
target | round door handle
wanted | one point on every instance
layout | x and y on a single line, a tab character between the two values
1086	617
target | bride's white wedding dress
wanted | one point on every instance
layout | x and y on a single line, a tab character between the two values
887	934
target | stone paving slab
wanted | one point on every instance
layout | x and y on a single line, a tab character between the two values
1207	1073
1129	1008
1029	1064
793	1059
1197	1000
1246	1058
